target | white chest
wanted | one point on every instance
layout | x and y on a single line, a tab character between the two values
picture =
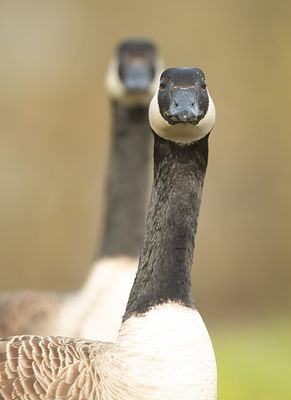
95	311
166	354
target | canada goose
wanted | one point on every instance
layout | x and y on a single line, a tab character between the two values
163	350
131	81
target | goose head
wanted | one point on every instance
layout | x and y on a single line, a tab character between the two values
134	72
182	109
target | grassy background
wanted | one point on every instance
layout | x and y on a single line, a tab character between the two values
254	360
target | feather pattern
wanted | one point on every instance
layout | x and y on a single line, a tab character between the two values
35	367
163	354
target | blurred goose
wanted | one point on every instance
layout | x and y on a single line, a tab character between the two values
163	350
132	78
27	311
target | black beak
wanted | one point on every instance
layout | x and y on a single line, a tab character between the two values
137	78
184	107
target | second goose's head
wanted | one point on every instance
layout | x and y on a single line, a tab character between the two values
182	109
134	73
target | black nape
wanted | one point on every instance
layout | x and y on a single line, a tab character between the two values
127	189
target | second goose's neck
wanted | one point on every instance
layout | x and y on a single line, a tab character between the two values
164	272
127	182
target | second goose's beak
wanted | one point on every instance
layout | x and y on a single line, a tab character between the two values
184	107
137	77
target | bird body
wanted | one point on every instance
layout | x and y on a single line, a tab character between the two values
163	350
146	363
98	309
28	309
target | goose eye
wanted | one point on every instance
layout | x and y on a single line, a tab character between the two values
203	85
162	85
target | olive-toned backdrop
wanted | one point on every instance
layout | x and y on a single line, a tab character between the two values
54	131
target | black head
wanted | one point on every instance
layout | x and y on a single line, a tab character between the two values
183	96
182	109
134	72
136	64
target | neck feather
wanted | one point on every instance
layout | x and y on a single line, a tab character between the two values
164	272
127	182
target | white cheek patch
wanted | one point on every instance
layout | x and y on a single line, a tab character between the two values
180	133
117	90
113	82
207	123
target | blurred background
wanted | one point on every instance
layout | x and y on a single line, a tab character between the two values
54	138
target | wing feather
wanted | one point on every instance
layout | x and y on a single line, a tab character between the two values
35	367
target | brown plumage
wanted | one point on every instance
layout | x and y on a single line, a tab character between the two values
27	311
34	367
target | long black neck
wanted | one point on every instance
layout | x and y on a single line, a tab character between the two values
127	182
164	272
